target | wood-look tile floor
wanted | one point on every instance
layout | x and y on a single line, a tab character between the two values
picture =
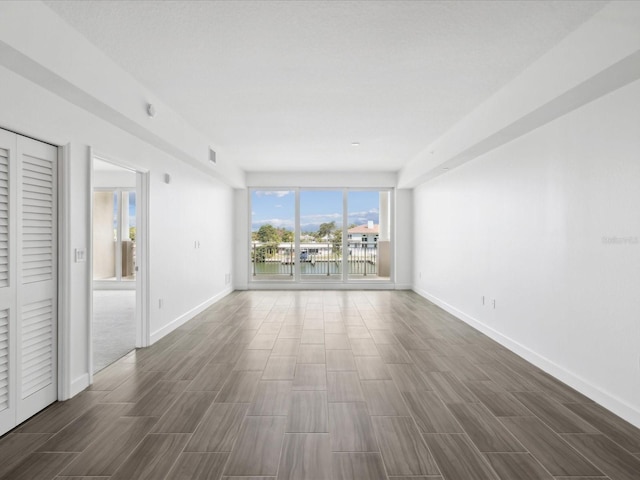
324	385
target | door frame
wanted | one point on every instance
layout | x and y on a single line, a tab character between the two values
142	251
65	387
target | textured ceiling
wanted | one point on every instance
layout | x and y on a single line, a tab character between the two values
290	85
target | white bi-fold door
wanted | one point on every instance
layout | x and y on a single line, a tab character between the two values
28	278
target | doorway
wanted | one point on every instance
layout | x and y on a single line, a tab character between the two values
117	313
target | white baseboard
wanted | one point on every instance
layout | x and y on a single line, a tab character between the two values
185	317
403	286
273	285
608	401
78	385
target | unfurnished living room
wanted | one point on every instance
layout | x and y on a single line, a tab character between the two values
327	240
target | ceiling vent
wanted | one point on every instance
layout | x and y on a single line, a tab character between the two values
212	156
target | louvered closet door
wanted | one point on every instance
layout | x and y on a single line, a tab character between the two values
8	233
37	277
28	278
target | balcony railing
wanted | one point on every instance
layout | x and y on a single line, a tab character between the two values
278	260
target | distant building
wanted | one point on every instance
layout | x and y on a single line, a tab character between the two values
364	234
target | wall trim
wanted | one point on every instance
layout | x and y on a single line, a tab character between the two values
610	402
185	317
403	286
79	384
65	385
275	285
89	256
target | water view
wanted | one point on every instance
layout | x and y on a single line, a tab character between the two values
322	236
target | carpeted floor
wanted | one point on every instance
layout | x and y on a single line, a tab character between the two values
114	328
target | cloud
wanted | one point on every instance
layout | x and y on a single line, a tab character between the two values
312	222
276	222
361	218
321	216
276	193
373	211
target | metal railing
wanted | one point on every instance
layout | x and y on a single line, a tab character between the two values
272	259
363	258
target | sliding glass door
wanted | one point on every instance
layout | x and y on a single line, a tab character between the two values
273	234
321	235
368	235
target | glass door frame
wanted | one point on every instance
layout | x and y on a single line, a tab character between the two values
298	278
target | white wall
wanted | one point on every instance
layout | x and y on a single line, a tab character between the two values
241	239
524	224
359	179
191	245
193	207
403	239
113	179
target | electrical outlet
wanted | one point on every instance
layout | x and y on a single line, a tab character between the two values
494	303
160	303
482	299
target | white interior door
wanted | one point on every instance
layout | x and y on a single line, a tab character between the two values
28	278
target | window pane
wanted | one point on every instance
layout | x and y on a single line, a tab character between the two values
128	235
368	235
321	234
272	234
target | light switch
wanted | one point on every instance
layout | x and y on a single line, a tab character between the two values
80	255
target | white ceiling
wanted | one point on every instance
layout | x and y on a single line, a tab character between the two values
289	85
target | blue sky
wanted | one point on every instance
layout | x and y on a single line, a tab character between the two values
132	209
278	208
